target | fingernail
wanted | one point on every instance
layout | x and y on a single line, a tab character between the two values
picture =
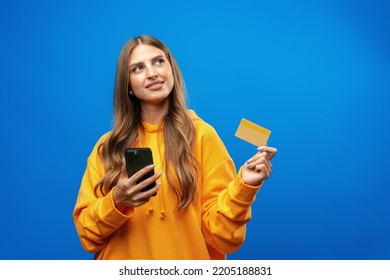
260	148
151	166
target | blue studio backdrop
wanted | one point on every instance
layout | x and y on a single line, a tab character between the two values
316	73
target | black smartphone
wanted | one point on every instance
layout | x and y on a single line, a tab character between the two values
136	159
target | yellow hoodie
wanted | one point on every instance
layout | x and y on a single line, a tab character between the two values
210	228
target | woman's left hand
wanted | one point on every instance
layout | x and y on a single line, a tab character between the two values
259	167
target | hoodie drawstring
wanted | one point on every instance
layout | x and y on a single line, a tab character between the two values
150	210
162	210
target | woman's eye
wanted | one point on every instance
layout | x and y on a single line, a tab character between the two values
137	69
160	61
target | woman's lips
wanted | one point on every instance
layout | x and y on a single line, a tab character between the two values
155	85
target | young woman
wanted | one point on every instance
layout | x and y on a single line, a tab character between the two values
199	205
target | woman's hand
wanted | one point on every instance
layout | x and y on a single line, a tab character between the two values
259	167
127	192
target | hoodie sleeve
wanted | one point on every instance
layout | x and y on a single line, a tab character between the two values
96	218
225	199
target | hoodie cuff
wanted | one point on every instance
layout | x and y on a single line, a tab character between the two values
244	192
111	213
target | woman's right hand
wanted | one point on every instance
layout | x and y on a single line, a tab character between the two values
127	192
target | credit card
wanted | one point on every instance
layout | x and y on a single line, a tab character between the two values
252	133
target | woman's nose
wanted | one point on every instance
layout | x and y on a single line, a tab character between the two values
152	73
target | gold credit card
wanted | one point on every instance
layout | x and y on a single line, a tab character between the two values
253	133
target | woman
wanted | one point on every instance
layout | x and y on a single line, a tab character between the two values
198	207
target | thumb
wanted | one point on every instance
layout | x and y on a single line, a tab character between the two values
124	169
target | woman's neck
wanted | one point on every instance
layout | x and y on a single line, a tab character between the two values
152	113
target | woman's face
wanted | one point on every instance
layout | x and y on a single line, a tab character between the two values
151	78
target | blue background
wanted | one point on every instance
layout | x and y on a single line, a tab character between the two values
317	73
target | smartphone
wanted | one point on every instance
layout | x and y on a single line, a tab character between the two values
136	159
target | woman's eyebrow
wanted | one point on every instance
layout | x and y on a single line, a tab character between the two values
152	59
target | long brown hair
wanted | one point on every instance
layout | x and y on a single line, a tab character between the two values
181	166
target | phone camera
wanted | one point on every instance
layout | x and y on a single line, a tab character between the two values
133	156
